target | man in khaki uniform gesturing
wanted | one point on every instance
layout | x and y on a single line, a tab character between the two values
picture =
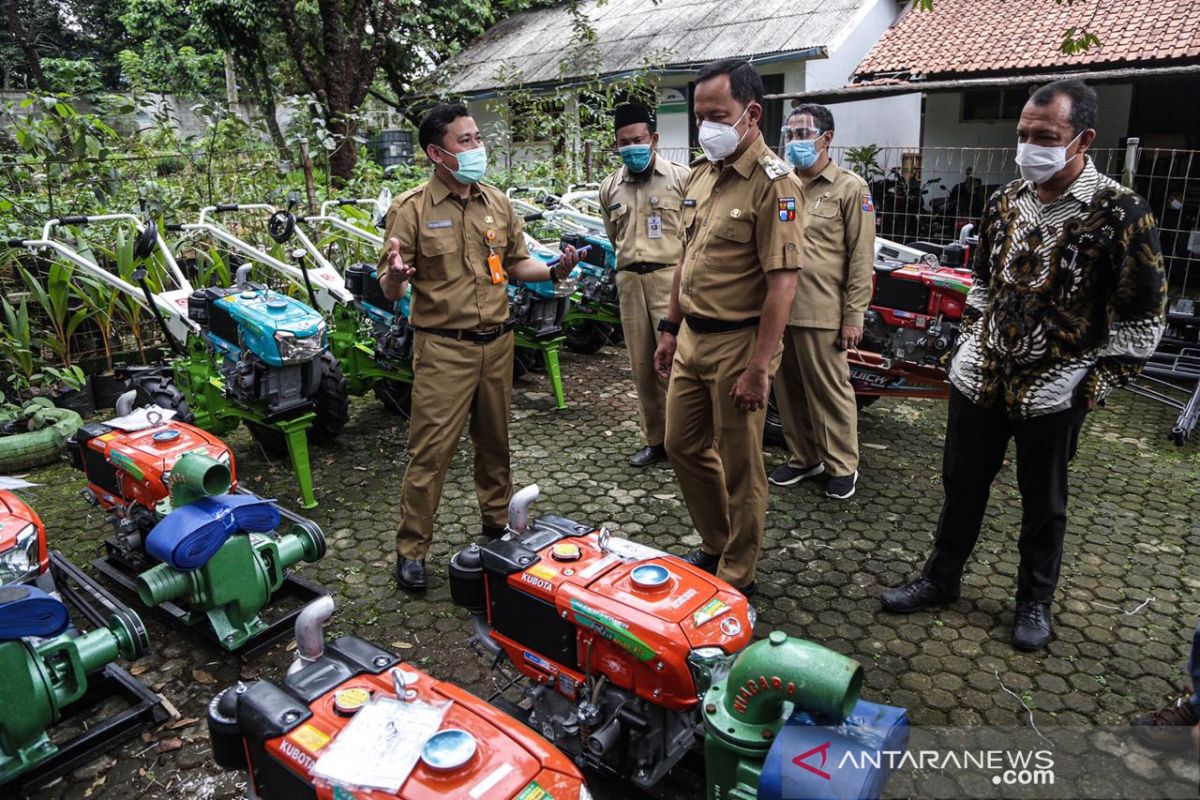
816	401
457	241
743	214
641	204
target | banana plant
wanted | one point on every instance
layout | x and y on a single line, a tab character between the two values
102	300
54	299
18	348
127	305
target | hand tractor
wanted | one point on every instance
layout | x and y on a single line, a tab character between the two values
370	341
242	354
594	318
61	688
539	308
208	559
624	656
293	736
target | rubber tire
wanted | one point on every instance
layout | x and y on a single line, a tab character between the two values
158	388
23	451
271	440
332	402
588	337
395	395
773	424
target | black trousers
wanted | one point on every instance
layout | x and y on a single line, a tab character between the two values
976	440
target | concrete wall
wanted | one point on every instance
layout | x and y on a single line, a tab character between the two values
886	122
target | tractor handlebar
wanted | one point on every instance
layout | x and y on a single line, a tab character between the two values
15	242
74	220
220	207
174	227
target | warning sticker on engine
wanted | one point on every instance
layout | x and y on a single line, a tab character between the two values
310	738
534	792
709	611
542	571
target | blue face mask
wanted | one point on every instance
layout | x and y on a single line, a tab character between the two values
635	156
472	164
802	153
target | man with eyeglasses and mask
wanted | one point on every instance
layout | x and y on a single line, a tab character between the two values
721	340
642	203
1067	303
457	241
813	392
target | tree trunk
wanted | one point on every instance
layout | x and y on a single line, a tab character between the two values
258	79
22	38
231	92
343	159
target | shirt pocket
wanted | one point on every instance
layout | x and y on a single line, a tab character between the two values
731	245
687	222
669	212
619	218
436	251
824	208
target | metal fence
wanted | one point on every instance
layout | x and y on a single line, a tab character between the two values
930	193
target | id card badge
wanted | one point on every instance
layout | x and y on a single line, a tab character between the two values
496	268
654	226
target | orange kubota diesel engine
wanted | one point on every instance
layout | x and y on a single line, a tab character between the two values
129	473
614	642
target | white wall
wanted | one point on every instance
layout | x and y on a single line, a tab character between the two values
886	122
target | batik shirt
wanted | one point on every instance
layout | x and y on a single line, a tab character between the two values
1068	298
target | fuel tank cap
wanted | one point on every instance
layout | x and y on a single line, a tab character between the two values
448	749
349	701
277	305
165	436
566	551
650	576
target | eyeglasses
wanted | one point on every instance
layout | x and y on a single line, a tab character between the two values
790	134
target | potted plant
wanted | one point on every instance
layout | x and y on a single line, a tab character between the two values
69	388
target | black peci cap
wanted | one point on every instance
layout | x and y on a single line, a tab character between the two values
631	114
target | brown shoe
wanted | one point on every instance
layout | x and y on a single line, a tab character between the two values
1169	727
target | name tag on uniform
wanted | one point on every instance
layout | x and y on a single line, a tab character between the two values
614	206
654	226
440	223
689	203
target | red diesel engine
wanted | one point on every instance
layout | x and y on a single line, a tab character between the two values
129	473
614	641
915	311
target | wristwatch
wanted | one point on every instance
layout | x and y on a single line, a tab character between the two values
666	326
554	274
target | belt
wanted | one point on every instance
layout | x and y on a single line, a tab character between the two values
707	325
644	268
478	337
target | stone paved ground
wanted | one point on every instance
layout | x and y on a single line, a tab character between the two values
1132	537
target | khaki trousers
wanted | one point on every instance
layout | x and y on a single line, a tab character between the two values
816	401
451	381
643	303
716	449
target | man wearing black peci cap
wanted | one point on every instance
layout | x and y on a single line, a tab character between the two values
642	203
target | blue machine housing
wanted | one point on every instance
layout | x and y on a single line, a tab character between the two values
598	278
277	329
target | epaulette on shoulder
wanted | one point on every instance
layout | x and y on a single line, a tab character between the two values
775	167
407	195
695	162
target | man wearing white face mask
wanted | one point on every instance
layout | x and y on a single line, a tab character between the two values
1067	303
721	339
458	241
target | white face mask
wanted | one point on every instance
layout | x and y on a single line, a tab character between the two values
1176	205
719	140
1039	163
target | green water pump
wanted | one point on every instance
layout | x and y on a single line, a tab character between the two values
233	586
42	677
745	708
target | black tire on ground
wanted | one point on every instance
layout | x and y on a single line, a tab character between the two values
773	426
588	337
395	395
158	388
272	440
864	400
527	360
332	401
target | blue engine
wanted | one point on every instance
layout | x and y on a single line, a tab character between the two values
598	278
271	344
389	321
539	308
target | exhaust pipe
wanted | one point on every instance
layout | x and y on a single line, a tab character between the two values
518	508
242	274
483	634
125	401
310	635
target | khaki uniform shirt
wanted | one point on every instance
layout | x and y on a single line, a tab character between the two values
839	251
741	220
447	241
643	218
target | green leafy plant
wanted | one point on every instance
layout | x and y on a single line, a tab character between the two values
864	161
18	348
55	301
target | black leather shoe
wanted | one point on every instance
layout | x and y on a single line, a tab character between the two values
701	559
648	455
410	574
914	596
493	532
1032	629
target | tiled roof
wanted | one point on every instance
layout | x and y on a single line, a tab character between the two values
631	33
972	37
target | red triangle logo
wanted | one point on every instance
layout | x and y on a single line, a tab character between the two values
823	750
